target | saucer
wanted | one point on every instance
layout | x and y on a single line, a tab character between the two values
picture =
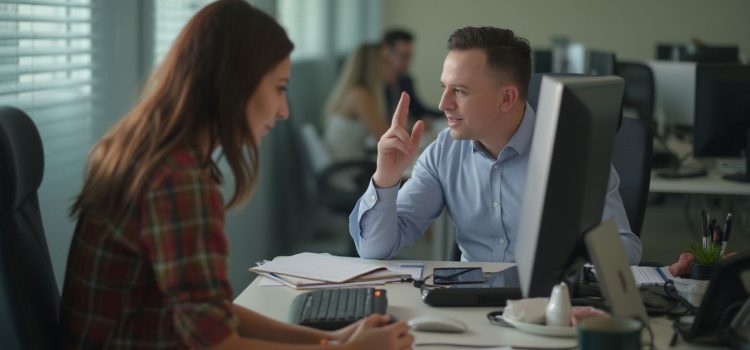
538	329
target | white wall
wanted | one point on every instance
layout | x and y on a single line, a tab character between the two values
630	28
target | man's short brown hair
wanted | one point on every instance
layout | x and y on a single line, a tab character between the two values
508	54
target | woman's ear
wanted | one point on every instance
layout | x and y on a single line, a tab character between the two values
508	95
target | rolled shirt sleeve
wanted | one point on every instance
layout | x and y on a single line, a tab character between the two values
384	220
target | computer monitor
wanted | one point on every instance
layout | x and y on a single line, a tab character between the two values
567	178
712	54
674	84
670	52
601	62
541	60
722	113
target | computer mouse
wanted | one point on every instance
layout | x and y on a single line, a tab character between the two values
434	323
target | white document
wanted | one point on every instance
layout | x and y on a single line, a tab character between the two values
320	267
270	280
395	272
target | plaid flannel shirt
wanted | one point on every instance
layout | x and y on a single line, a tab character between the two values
158	277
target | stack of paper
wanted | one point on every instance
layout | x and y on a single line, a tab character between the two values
651	276
310	270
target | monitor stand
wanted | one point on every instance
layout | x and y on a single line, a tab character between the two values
742	177
682	172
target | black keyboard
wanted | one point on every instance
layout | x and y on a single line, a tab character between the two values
331	309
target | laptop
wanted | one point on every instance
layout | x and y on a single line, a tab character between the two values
616	281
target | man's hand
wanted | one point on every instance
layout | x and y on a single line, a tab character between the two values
397	149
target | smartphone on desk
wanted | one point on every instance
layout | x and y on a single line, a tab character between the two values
457	275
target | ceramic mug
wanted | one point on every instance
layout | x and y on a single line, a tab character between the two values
609	333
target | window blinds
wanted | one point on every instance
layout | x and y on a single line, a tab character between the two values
171	17
45	70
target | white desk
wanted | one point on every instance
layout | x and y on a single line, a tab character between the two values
710	184
404	302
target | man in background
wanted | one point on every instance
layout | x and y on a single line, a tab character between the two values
399	44
476	168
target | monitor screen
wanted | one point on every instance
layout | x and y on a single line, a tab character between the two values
670	52
722	110
713	54
674	86
722	113
601	62
542	60
568	172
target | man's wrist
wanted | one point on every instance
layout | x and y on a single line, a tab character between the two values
380	182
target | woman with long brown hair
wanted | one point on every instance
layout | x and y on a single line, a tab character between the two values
148	263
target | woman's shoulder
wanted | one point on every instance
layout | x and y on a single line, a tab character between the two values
180	167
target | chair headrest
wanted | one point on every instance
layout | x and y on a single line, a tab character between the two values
21	156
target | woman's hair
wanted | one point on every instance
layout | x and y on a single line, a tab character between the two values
200	91
363	68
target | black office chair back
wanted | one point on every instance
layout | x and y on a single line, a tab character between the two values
28	291
632	160
639	89
631	157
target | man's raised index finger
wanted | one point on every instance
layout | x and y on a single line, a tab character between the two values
402	111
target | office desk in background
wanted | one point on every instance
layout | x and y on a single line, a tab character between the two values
712	184
404	302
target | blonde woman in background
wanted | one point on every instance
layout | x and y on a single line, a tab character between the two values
355	110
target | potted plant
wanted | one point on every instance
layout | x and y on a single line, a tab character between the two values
706	257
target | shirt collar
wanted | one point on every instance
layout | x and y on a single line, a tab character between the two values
520	142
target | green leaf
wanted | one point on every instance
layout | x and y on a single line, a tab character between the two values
706	255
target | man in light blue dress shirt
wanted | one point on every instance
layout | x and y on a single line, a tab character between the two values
475	169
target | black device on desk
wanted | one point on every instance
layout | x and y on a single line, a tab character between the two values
496	289
457	275
334	308
726	293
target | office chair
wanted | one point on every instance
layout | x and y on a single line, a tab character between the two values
340	198
632	159
640	93
28	292
335	185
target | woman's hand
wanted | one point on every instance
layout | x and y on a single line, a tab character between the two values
375	333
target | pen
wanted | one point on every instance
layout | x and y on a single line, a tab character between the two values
704	227
711	233
727	229
717	235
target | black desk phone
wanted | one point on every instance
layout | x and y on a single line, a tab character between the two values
724	313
